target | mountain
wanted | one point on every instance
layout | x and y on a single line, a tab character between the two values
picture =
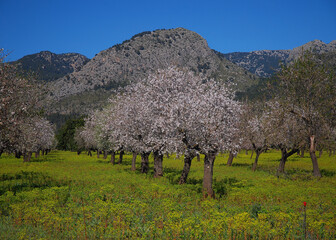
49	66
315	46
262	63
78	85
146	52
265	63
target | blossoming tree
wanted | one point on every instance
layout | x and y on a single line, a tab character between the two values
254	130
19	100
175	111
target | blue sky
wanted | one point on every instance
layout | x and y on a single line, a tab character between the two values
87	27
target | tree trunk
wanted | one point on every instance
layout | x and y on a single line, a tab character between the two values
18	154
188	157
255	164
79	152
27	157
1	151
144	162
158	169
98	153
209	161
89	153
283	160
121	154
37	154
316	170
105	154
230	159
284	156
134	161
252	154
320	153
246	152
302	152
113	157
198	157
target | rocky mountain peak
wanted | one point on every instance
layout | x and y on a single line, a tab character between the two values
145	52
50	66
332	44
315	42
46	55
316	46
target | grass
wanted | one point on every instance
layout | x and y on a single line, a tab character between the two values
65	196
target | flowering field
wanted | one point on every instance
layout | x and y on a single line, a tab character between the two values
65	196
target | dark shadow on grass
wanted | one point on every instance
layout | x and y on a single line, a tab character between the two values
327	173
290	159
249	165
295	174
25	181
302	174
241	164
221	187
106	161
125	162
46	159
172	174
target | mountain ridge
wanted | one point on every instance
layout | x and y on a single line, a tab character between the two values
264	63
50	66
132	60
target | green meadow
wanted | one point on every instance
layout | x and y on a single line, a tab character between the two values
66	196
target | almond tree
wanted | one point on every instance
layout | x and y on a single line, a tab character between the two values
188	114
104	133
2	147
137	126
254	130
175	111
211	126
285	132
35	134
27	142
102	142
88	134
79	140
122	130
330	141
110	131
19	99
308	92
45	135
160	93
